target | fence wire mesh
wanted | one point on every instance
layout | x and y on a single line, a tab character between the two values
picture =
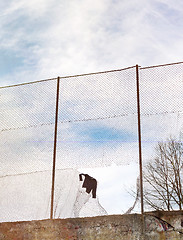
97	127
161	103
97	120
161	89
97	135
26	133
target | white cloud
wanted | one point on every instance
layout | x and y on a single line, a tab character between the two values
66	38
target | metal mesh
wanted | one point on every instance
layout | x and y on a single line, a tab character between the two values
97	134
161	120
97	120
97	127
27	127
26	143
161	105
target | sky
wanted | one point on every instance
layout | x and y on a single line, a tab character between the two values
45	39
50	38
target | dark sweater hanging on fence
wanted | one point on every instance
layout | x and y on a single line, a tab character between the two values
89	183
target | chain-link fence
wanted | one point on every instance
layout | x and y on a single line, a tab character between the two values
27	128
51	133
161	91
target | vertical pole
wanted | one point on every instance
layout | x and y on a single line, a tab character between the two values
139	139
54	149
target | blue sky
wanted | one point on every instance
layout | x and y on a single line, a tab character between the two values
103	134
43	39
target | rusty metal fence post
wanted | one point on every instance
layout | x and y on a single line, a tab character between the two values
139	140
54	149
140	154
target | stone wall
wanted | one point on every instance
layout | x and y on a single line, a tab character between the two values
157	225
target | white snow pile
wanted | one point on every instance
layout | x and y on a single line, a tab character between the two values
26	197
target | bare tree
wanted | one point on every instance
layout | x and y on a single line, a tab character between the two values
163	177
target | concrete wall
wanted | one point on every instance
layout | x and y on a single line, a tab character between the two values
164	225
103	228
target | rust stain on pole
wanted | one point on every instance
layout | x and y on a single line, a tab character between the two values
55	149
139	140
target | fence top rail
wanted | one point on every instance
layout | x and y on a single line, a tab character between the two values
72	76
161	65
28	83
88	74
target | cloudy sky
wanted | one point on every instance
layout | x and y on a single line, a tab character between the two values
45	39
